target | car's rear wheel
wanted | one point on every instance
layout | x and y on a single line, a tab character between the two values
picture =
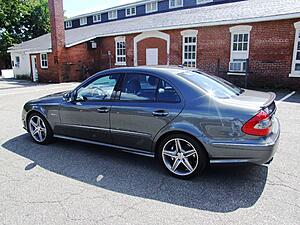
39	129
182	156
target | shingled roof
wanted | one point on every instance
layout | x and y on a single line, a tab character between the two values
230	13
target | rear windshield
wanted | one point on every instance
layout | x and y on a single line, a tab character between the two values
214	86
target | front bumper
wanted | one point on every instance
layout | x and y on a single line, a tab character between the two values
259	151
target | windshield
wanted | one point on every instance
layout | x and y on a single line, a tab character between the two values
214	86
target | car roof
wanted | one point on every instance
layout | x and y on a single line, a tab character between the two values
160	70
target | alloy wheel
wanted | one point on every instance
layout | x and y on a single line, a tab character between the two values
37	128
180	157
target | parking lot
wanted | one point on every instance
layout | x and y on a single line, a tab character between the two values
73	183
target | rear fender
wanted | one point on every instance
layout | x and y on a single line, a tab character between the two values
183	127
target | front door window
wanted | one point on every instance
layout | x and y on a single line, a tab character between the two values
100	89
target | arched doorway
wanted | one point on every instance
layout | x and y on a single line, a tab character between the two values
151	48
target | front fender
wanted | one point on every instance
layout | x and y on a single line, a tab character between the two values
50	112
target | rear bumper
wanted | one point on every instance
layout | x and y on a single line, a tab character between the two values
259	152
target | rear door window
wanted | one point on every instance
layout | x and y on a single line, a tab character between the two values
139	87
166	93
144	87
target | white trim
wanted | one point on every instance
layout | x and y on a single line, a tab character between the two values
295	73
185	34
151	34
152	10
297	25
97	18
239	54
202	2
29	51
83	21
240	29
176	6
189	33
69	24
120	38
130	11
120	64
117	40
41	60
120	7
114	17
205	24
236	74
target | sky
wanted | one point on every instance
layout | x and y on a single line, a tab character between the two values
77	7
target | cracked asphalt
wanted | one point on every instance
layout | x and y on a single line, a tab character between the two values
73	183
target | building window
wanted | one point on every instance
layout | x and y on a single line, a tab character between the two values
120	51
175	3
112	15
83	21
97	18
68	24
151	7
296	56
240	39
189	53
199	2
44	60
131	11
17	64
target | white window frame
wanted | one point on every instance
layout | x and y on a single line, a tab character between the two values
119	62
295	73
239	55
17	63
69	24
201	2
132	11
111	16
189	34
44	62
96	18
83	21
176	5
153	7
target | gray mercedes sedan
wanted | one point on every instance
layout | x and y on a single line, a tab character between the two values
186	119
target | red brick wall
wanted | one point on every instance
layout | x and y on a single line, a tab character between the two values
152	43
108	44
45	75
270	58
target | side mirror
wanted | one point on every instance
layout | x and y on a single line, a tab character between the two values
69	97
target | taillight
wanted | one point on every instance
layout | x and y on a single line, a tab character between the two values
259	125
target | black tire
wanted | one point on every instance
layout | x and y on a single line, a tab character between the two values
198	162
48	135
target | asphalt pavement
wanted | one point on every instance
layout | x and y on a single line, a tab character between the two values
72	183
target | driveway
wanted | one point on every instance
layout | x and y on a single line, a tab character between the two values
72	183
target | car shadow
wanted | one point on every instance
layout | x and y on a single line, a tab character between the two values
220	189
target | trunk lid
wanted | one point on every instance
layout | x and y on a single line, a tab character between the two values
256	100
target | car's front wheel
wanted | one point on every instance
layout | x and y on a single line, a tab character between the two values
39	129
182	156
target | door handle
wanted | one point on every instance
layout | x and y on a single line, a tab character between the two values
103	110
160	113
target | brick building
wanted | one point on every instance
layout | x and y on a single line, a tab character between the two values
228	38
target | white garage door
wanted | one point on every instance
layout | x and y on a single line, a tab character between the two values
152	56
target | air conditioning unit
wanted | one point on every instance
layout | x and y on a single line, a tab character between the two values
238	66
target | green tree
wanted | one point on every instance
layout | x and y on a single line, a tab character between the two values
21	20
